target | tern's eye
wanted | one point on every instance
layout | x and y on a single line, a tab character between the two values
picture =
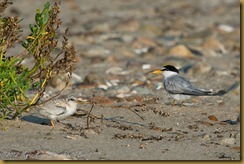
73	99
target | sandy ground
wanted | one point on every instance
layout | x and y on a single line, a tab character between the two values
118	42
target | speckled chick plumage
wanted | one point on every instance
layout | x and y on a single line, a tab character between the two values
58	109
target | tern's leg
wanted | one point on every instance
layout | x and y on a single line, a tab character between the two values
52	123
181	104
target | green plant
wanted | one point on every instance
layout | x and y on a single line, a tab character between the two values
16	78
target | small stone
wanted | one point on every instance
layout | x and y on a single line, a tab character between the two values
215	45
98	51
212	118
228	141
94	78
226	28
89	132
151	30
129	26
143	45
146	66
123	89
104	87
59	82
101	100
181	51
123	95
141	91
237	148
206	137
72	137
200	68
117	71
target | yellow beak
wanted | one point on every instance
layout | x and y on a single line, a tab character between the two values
158	71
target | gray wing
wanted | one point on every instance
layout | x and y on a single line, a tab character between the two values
181	85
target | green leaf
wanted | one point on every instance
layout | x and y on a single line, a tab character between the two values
45	16
38	19
33	28
24	44
47	5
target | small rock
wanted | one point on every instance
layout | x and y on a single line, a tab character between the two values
143	45
123	95
94	78
159	86
237	148
123	89
151	30
129	25
75	76
101	100
200	68
87	132
146	66
169	40
104	87
117	71
141	50
59	82
101	27
215	45
98	51
72	137
212	118
206	137
181	51
141	90
226	28
127	38
228	141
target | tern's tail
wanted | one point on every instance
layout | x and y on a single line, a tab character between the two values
219	93
198	92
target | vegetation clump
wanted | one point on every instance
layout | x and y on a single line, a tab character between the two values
41	44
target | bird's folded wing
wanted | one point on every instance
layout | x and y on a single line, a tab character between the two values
181	85
55	110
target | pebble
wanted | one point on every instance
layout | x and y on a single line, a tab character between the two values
206	137
123	89
98	51
228	141
226	28
141	90
88	132
200	68
59	82
94	78
159	86
213	44
143	45
117	71
129	26
146	66
181	51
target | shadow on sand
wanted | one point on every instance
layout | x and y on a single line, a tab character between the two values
36	120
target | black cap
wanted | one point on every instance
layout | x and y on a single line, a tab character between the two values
170	68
